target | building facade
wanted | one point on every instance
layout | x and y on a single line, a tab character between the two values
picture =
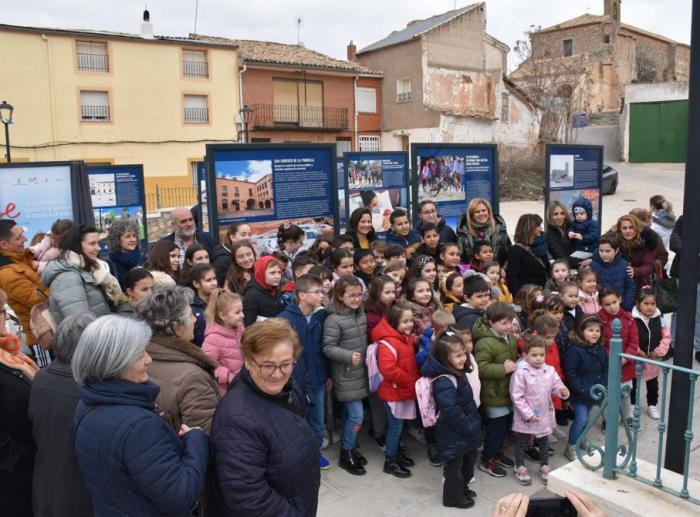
237	195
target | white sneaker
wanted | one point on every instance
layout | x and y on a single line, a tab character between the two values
653	412
325	443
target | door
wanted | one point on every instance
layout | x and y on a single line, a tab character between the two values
658	131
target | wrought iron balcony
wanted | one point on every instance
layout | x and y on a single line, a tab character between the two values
195	68
93	62
96	113
304	118
196	115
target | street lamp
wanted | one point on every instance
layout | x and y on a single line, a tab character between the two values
6	118
246	115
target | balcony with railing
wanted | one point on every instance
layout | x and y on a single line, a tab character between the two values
303	118
195	69
196	115
93	62
95	113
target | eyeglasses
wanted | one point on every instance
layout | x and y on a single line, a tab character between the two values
268	370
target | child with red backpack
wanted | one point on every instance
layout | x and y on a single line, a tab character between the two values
397	365
458	427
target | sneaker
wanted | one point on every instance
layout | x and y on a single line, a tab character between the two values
532	454
570	452
492	468
523	476
464	503
653	413
324	463
432	456
504	461
560	433
418	434
544	473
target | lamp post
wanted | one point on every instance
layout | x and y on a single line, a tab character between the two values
6	118
246	116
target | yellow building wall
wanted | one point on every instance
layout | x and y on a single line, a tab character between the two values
146	90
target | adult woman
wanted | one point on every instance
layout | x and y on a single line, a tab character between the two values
558	242
427	212
639	245
481	224
124	252
79	281
58	487
164	263
527	261
240	272
360	228
185	374
133	463
266	454
223	253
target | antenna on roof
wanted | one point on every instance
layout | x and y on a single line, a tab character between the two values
196	10
300	24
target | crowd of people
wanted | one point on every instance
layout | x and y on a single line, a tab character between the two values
196	379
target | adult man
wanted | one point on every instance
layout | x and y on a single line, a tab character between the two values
427	212
17	278
185	233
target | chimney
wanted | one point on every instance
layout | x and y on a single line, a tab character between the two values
613	9
352	51
146	25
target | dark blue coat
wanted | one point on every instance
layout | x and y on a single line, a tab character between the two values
266	454
584	367
393	238
446	233
121	262
466	316
312	361
458	429
614	274
588	229
202	238
132	461
198	307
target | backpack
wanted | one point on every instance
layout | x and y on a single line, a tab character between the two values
373	374
426	401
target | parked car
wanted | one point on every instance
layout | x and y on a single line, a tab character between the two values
609	180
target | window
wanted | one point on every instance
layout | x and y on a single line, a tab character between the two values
369	143
342	145
196	109
250	191
224	204
94	106
505	108
297	102
224	190
366	99
606	38
92	56
194	63
236	192
403	90
568	47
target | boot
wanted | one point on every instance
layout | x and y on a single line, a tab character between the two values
405	460
358	457
393	467
570	452
465	502
347	462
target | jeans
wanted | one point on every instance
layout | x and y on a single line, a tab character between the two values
317	413
352	422
523	442
394	428
458	472
581	412
696	341
498	429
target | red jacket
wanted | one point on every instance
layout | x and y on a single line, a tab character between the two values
400	372
552	359
630	338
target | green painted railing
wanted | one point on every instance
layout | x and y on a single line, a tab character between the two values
624	459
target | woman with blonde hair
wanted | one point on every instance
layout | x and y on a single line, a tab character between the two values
479	223
558	219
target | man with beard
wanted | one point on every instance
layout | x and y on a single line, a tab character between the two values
185	233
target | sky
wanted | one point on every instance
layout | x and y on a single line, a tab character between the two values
328	26
249	170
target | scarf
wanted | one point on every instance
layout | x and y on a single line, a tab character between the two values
125	261
101	274
483	231
539	246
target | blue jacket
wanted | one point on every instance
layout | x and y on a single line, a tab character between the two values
132	461
266	454
466	316
425	346
313	362
393	238
588	229
198	307
458	429
614	274
584	367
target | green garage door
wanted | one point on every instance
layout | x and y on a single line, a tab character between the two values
658	131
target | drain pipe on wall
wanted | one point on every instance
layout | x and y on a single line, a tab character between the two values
354	104
49	62
240	92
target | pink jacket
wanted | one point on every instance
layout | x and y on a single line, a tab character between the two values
651	371
531	390
588	302
224	346
44	252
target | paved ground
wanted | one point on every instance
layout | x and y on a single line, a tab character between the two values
378	494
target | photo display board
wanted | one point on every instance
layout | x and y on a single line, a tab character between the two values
35	194
267	185
378	181
342	210
117	192
451	175
572	172
203	209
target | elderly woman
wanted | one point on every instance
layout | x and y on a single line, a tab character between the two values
58	488
558	219
266	454
527	261
481	224
188	390
133	463
640	246
124	252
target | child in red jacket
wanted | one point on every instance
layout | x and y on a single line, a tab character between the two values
611	304
397	363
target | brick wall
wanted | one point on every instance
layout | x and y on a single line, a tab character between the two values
371	123
586	38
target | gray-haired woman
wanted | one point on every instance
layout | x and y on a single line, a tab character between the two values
58	487
124	252
189	392
132	461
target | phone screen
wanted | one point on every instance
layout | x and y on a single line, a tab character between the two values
550	507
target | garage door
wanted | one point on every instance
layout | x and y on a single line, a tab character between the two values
658	131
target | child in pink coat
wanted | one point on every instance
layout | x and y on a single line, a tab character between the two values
222	337
531	385
48	248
